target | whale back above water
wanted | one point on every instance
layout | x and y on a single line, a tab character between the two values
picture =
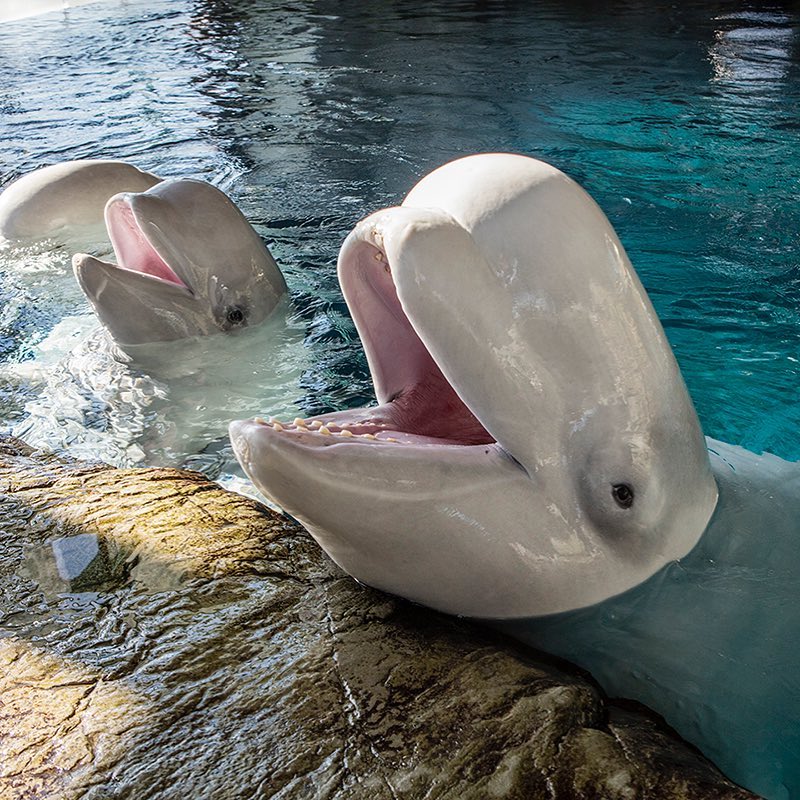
189	264
63	201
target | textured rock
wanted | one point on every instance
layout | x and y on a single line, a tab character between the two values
217	653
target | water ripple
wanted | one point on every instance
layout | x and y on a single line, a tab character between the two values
682	124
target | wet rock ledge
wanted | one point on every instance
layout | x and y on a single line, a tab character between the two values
163	638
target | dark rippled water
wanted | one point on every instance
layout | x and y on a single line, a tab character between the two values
682	120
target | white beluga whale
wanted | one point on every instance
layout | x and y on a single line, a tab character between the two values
149	385
535	460
65	201
514	419
189	264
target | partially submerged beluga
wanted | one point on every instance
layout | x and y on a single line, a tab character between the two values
535	460
188	264
530	410
160	387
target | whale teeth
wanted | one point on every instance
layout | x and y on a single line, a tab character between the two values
324	428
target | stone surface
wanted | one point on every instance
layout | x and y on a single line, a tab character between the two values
77	555
234	660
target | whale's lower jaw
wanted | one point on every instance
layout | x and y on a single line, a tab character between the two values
372	501
460	528
137	308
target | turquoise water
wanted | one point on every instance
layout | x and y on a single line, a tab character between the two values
681	121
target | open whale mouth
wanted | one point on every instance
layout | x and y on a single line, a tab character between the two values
133	247
533	449
416	403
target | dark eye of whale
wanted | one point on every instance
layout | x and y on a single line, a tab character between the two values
623	494
235	316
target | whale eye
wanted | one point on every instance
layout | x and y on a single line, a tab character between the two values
235	316
623	494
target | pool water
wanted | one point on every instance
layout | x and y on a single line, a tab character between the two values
680	119
682	122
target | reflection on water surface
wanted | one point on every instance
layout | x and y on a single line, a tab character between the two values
680	121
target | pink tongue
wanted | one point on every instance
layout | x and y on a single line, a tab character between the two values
133	251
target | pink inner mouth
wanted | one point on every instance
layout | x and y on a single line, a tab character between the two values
418	399
417	403
132	248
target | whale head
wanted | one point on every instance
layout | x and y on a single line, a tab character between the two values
534	448
189	264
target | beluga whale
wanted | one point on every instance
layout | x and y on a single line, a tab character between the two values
188	264
535	461
65	201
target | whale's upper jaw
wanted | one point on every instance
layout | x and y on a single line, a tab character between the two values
534	449
136	243
189	264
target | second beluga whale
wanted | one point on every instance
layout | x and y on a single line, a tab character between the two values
154	386
535	461
189	264
65	201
